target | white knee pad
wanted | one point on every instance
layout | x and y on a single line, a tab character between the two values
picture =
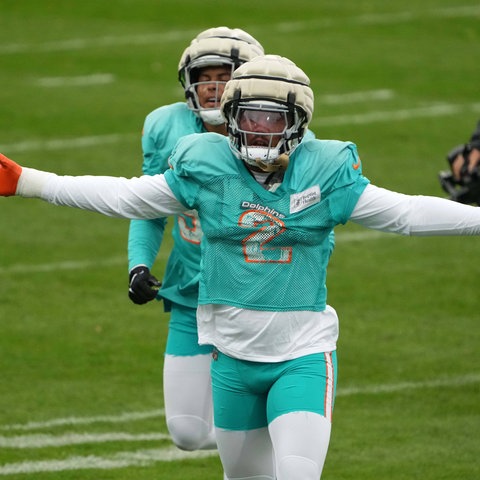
191	433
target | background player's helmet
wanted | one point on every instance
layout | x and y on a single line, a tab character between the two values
214	47
268	84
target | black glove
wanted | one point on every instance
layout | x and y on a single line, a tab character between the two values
143	286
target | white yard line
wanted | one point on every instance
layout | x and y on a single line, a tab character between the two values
151	456
138	458
381	18
74	44
70	421
79	81
45	440
68	143
115	261
440	110
453	382
177	35
444	382
355	97
338	120
66	265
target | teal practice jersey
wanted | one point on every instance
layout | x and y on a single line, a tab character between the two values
162	129
265	250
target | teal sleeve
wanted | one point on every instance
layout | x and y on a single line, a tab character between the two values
144	240
145	236
185	177
154	159
346	185
155	147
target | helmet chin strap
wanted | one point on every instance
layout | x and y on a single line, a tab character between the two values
280	164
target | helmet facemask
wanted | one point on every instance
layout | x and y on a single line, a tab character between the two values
215	47
264	133
190	81
270	86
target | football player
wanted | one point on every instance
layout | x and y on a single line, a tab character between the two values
204	68
268	201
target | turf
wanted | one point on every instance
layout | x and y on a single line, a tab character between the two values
72	346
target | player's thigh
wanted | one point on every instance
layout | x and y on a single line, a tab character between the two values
237	405
305	384
246	454
187	387
300	441
186	369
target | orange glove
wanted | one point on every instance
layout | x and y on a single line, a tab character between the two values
9	174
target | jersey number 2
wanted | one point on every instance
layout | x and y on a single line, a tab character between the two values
267	227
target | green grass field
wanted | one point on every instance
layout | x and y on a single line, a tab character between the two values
81	366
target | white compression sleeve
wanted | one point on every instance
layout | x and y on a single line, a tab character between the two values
300	441
143	197
188	401
246	454
418	215
31	182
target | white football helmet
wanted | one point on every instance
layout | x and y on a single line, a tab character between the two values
214	47
279	93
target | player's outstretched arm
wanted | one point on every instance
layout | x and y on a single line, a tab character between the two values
417	215
145	197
